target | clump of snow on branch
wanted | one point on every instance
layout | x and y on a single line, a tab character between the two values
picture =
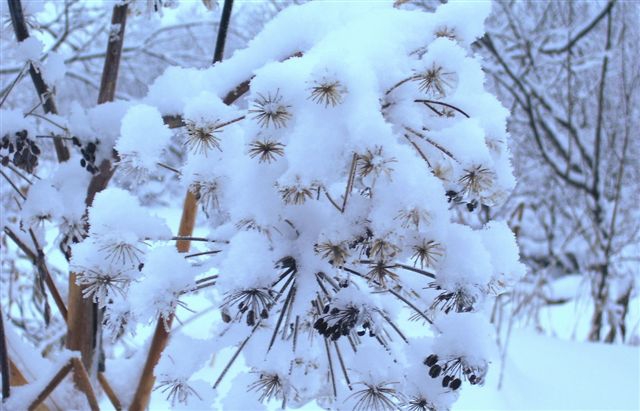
332	190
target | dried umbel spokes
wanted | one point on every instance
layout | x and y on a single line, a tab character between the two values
378	397
375	163
177	390
297	193
101	285
380	273
476	179
132	165
435	81
25	151
412	218
459	301
202	136
327	92
335	253
269	385
446	32
338	322
206	192
383	249
254	302
418	403
270	110
454	370
116	323
122	252
427	253
266	150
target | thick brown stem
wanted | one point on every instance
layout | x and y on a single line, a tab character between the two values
84	384
84	317
109	391
161	334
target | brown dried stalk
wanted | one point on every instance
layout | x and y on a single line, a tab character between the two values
83	320
82	382
42	88
104	383
39	262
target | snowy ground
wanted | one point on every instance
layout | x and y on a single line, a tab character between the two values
546	373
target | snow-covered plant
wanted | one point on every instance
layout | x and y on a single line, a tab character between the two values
334	187
331	158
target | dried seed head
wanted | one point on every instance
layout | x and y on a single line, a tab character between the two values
336	253
459	300
436	82
254	302
296	194
446	32
427	253
412	218
269	385
269	109
178	390
207	193
380	272
132	165
338	322
121	252
418	403
373	162
327	92
101	285
266	150
382	249
476	179
377	397
202	136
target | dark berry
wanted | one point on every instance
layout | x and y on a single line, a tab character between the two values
455	384
434	371
225	317
431	360
446	380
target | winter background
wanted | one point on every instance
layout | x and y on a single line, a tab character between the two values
564	333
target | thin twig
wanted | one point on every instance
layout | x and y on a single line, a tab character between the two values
175	170
349	187
235	356
203	239
6	177
442	103
48	389
203	253
13	83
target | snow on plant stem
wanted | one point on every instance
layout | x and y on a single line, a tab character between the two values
334	187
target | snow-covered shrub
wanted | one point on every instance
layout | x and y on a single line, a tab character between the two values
332	192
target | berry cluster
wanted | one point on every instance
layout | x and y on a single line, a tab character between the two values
454	370
254	302
457	300
338	322
88	152
25	151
